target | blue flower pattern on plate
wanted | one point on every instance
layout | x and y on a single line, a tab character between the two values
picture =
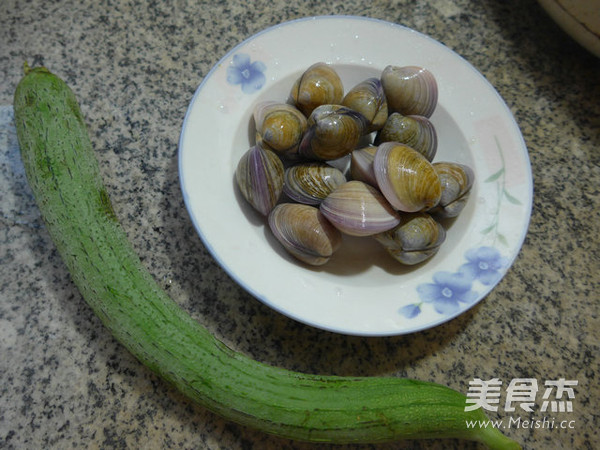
484	264
246	73
410	311
449	289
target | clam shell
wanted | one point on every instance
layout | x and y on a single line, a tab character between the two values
405	177
259	176
319	85
410	90
310	183
279	126
456	181
417	132
304	232
368	99
416	239
333	132
361	165
358	209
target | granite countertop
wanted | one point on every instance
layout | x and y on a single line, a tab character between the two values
134	65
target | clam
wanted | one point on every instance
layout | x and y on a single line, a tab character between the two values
368	99
333	131
259	176
415	131
310	183
456	182
361	164
279	126
410	90
405	177
358	209
320	84
416	239
304	232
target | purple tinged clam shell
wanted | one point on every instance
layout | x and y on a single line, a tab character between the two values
361	164
358	209
410	90
259	176
304	232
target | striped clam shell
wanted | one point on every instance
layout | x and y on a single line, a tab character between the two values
333	132
405	177
358	209
279	126
456	181
368	98
416	239
310	183
319	85
304	232
410	90
259	177
417	132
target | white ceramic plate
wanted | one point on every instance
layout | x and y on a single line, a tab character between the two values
361	291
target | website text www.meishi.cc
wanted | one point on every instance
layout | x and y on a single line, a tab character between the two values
548	423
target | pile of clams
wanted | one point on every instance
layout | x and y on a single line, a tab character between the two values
392	191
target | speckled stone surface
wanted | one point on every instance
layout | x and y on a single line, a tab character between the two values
134	65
